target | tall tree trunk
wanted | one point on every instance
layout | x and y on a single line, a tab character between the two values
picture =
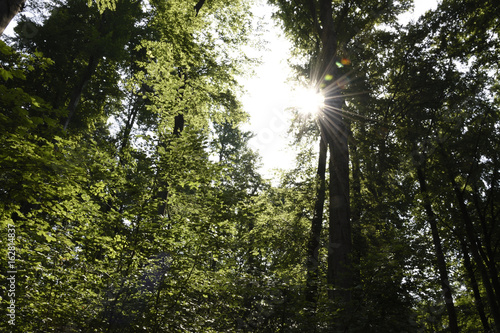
440	261
359	242
340	242
9	9
339	274
129	124
489	256
474	244
77	92
316	227
474	285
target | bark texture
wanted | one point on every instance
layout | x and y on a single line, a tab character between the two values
9	9
316	227
339	273
77	92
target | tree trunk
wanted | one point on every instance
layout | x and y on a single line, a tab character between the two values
473	242
9	9
163	195
178	124
316	227
340	242
359	247
77	92
474	246
339	275
489	256
440	261
129	124
475	287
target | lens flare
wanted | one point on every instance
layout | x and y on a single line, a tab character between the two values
308	101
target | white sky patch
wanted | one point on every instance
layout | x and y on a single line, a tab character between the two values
267	97
420	7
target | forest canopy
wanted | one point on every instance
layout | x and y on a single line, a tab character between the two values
131	199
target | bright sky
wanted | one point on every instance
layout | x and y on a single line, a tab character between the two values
268	94
267	97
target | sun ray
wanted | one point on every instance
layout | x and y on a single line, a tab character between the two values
307	101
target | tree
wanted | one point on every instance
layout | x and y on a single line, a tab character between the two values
138	205
323	30
438	111
94	46
96	254
9	9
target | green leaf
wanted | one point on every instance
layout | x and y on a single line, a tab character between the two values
5	74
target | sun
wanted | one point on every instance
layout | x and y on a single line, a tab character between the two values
307	101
